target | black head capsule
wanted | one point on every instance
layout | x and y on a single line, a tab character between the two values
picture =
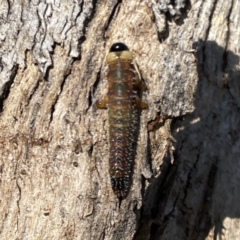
119	52
118	47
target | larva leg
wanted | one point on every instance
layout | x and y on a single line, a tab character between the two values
141	86
102	103
136	68
140	104
138	83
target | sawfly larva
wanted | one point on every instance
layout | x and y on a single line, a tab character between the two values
123	104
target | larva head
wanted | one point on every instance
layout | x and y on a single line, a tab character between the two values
119	51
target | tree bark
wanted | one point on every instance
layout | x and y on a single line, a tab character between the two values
54	181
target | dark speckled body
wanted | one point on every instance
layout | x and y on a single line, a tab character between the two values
122	117
123	104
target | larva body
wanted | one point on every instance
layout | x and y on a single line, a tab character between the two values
123	103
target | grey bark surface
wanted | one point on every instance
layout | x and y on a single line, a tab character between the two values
54	181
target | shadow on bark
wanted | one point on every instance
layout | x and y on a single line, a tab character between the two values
200	189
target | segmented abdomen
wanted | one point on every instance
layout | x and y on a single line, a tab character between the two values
122	116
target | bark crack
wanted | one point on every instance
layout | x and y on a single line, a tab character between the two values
204	219
206	36
116	10
90	17
57	97
225	55
93	89
43	23
189	177
32	92
8	7
210	20
18	201
7	86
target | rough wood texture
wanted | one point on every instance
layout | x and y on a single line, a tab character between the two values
54	181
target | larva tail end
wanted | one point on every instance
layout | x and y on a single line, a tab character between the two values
120	187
